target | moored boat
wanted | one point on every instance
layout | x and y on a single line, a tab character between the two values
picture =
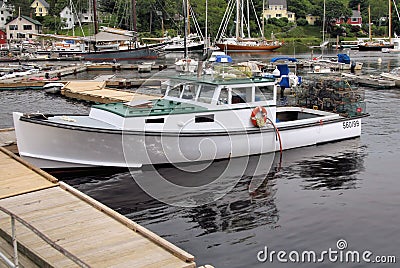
198	119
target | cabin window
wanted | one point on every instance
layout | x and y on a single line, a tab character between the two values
13	27
176	91
204	118
206	94
264	93
241	95
154	120
189	92
223	96
27	27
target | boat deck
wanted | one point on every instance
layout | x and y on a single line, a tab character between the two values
85	232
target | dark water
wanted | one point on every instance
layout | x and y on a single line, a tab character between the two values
345	190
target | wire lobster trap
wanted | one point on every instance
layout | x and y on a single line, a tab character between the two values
333	94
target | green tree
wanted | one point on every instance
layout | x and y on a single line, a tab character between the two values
335	9
22	6
300	7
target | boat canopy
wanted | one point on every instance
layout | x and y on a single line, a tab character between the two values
283	58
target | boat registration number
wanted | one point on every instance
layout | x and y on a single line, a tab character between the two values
351	124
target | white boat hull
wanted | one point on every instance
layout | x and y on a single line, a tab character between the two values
62	146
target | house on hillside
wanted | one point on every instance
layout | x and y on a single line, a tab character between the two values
278	9
311	19
3	39
85	17
68	17
41	7
354	20
23	28
6	11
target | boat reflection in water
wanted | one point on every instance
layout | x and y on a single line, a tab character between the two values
248	204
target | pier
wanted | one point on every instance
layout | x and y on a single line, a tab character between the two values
47	223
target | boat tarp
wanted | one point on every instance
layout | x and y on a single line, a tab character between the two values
283	69
283	58
343	58
108	37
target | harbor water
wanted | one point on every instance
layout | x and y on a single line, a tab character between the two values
341	196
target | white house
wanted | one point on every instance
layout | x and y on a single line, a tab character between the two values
23	28
68	17
278	9
6	11
86	17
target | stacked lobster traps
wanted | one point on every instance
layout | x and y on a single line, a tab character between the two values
333	94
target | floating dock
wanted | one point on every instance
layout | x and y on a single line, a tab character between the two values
96	91
55	225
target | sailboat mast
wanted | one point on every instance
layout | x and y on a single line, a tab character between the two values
96	26
133	3
323	23
369	23
263	20
185	14
205	32
248	19
390	21
237	18
73	20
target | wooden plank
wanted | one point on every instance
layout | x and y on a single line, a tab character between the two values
18	177
133	225
64	218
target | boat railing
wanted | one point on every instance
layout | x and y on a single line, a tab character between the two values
13	239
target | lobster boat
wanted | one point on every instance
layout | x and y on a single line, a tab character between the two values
200	118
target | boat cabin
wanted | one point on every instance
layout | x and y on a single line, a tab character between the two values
208	92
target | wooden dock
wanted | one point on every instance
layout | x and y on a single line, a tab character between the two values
96	91
58	226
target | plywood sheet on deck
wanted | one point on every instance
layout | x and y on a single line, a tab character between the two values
96	238
78	86
16	178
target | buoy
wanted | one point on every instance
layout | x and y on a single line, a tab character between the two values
379	60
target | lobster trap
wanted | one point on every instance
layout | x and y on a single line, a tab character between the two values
332	94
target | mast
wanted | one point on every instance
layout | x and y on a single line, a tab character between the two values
73	17
237	18
186	27
323	24
248	19
369	23
205	32
390	21
134	22
263	20
96	26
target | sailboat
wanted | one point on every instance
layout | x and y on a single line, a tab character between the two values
239	43
379	44
134	51
186	64
194	41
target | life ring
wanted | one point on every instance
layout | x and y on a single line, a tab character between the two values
259	121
